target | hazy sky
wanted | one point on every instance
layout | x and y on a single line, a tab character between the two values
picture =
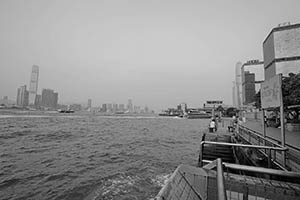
158	53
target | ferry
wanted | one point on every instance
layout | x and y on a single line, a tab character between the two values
66	111
197	114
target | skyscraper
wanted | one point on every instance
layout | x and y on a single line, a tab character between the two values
282	50
252	76
238	83
33	86
89	106
130	106
49	98
22	96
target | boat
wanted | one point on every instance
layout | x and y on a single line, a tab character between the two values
197	114
230	168
170	113
66	111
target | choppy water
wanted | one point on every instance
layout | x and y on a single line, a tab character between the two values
92	157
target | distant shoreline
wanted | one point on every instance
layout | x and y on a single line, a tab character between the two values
42	112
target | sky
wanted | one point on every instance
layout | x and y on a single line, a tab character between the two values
158	53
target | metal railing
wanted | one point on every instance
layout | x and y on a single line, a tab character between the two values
269	148
255	137
226	187
220	180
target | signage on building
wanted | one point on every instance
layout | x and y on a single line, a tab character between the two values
252	62
270	92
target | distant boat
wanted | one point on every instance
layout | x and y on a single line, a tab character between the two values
66	111
196	114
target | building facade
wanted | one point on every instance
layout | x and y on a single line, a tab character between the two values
22	96
130	106
281	51
238	85
49	99
89	105
252	76
33	86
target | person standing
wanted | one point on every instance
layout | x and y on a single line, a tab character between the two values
212	126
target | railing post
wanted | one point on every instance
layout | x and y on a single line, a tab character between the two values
269	159
220	180
200	155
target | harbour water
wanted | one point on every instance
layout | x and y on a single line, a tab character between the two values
92	157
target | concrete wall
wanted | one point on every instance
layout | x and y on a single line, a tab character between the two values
289	66
287	43
268	48
270	71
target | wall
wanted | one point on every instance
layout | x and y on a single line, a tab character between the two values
287	43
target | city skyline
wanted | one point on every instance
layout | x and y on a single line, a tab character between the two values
157	53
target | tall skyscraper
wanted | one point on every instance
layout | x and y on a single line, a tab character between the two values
89	103
234	96
238	83
22	96
282	50
130	106
49	98
33	86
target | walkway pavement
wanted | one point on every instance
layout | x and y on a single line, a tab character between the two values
291	138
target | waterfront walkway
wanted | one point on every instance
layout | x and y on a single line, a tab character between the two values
291	138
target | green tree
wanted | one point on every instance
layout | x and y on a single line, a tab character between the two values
291	90
291	96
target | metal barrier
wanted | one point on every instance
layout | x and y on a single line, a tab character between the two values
231	186
269	148
292	155
220	181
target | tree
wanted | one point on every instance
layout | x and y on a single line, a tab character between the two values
291	90
231	111
291	96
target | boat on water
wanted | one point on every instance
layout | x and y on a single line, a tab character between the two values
230	168
197	114
66	111
170	113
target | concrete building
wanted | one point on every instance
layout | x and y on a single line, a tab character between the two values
234	96
109	107
115	107
130	106
248	87
252	76
238	85
89	104
75	107
33	86
49	99
104	107
281	50
121	107
22	96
